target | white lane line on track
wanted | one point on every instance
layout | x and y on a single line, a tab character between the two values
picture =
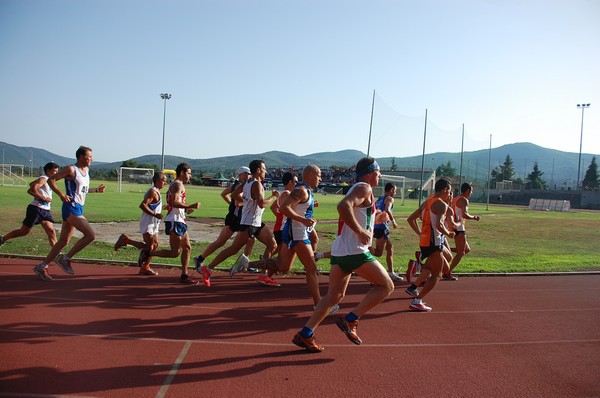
48	299
270	344
163	389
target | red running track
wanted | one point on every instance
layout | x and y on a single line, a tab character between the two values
106	332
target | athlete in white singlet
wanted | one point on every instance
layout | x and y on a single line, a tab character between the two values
350	253
77	184
175	225
38	211
151	206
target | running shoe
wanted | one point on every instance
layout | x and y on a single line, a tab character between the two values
349	328
121	242
239	265
64	263
412	291
265	280
418	305
147	271
143	258
245	263
198	265
449	277
42	272
186	280
206	273
309	343
395	277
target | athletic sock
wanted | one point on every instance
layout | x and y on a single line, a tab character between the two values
412	286
201	259
306	332
351	317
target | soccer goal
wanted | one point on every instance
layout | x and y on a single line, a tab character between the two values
399	181
12	174
134	175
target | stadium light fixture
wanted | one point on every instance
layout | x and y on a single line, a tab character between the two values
582	106
165	97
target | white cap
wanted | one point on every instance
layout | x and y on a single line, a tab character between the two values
243	170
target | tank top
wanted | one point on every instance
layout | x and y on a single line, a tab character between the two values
46	192
77	188
459	214
297	230
175	214
347	242
280	219
251	212
430	236
380	205
155	207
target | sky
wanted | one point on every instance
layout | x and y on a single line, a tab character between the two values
298	76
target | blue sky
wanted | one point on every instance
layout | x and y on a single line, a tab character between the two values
297	76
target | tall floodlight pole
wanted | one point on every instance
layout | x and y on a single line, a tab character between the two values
489	185
582	106
371	124
165	97
462	151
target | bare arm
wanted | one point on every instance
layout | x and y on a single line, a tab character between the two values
358	197
151	197
225	194
34	190
258	194
412	219
177	191
67	172
389	202
298	195
439	209
464	204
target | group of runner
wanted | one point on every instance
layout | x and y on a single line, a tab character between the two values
362	220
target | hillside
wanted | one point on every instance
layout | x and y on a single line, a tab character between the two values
558	167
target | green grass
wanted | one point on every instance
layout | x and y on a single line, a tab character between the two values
507	239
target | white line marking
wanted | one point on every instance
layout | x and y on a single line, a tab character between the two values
163	390
48	299
253	343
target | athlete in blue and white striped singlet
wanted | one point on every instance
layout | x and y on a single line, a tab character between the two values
295	230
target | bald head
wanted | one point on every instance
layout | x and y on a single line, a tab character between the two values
311	175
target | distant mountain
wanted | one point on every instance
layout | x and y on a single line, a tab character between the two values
558	167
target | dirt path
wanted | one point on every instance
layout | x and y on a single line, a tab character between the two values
200	230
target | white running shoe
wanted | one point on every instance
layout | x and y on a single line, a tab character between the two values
419	305
240	264
395	277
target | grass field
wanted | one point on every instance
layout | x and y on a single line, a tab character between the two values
507	239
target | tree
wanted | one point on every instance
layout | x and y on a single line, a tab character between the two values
394	166
506	171
591	180
534	179
446	170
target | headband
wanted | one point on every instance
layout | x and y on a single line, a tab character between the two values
372	167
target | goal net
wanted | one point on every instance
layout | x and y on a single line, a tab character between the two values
399	181
133	177
12	174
